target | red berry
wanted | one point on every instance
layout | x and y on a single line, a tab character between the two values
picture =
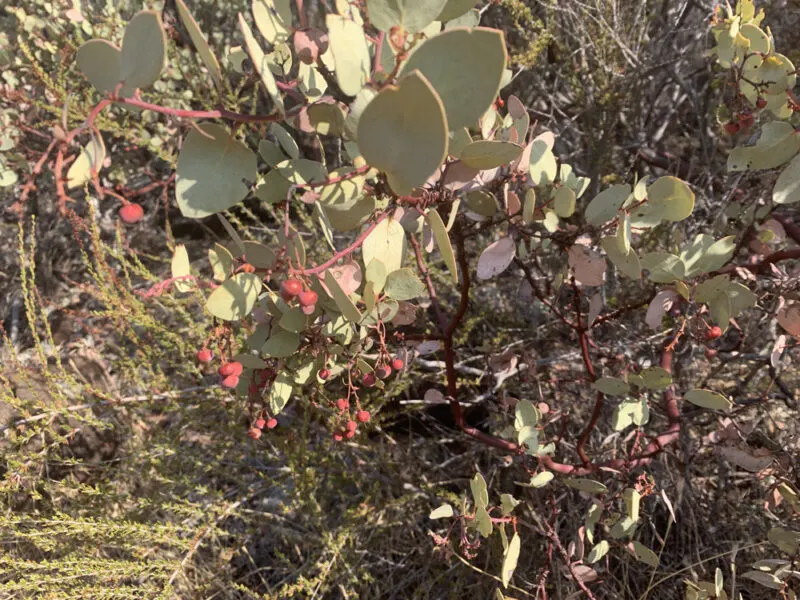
131	213
711	353
338	436
351	426
369	379
500	103
324	374
291	287
732	127
308	298
761	102
362	416
254	433
383	371
342	404
272	423
230	382
205	355
349	434
308	310
398	364
746	120
231	368
248	268
713	332
260	423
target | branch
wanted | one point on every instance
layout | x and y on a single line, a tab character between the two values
204	114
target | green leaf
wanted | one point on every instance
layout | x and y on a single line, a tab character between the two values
482	202
480	494
525	414
458	140
787	187
488	154
629	263
445	59
89	161
100	62
605	205
302	171
376	274
510	559
586	485
352	217
541	479
403	132
293	320
668	198
221	262
443	512
271	152
624	527
403	284
199	41
180	267
454	9
788	541
285	139
766	579
716	255
280	392
644	554
410	15
350	53
273	19
629	413
281	343
611	386
663	266
483	522
778	144
343	302
144	50
656	378
261	63
212	169
564	202
508	503
597	552
542	166
442	241
258	255
632	500
235	298
326	119
708	399
386	243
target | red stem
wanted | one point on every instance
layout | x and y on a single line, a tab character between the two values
201	114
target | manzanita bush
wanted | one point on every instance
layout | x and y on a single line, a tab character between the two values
415	157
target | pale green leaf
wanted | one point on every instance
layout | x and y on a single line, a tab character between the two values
632	500
403	284
442	241
261	63
586	485
343	302
525	414
100	62
541	479
611	386
89	162
508	503
386	243
655	378
564	202
179	267
200	43
597	552
663	266
281	343
605	205
482	202
445	58
787	187
285	139
443	512
293	320
628	263
350	53
454	9
212	170
480	494
280	392
235	298
376	275
221	262
409	15
271	152
488	154
403	132
273	19
708	399
510	559
644	554
144	50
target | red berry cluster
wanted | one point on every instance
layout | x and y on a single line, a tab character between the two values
293	288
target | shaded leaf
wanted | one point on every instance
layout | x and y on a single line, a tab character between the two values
235	298
496	258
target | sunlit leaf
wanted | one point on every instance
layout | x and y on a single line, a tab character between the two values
235	298
200	43
708	399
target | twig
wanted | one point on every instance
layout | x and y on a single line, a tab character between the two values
351	248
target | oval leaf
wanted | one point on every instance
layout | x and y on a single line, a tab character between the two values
235	298
708	399
496	258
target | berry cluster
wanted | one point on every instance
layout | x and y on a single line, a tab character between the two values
293	288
